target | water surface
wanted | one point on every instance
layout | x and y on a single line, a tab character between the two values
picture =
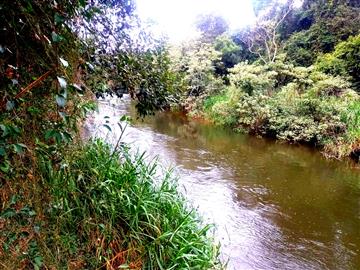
276	206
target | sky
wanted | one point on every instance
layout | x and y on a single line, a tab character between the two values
175	18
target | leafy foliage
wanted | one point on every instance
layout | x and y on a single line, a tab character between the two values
270	85
54	56
290	103
196	62
331	24
345	60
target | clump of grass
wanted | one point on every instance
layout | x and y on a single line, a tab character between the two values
110	210
349	143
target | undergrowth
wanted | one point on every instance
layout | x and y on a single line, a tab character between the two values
109	210
305	106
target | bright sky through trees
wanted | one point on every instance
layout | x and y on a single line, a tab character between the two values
175	18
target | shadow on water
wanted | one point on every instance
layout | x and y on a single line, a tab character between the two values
275	206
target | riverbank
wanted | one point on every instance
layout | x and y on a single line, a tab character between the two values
328	123
92	211
317	104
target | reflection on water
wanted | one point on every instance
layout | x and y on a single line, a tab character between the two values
275	206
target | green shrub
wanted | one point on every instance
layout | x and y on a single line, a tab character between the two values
253	79
254	112
222	108
303	106
305	119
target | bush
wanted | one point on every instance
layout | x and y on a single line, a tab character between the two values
253	113
294	104
268	79
325	85
253	79
221	108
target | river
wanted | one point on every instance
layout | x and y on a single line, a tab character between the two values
275	206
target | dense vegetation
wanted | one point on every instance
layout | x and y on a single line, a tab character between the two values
89	206
294	75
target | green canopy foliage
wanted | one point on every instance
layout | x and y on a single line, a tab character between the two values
344	60
330	24
291	76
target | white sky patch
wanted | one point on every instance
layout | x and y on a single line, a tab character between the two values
296	4
175	18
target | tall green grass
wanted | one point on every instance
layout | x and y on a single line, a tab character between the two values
112	211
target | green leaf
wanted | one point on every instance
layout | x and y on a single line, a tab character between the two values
16	130
14	199
4	130
8	213
102	227
2	151
19	148
49	134
63	116
66	137
38	261
82	3
58	137
28	212
125	118
5	167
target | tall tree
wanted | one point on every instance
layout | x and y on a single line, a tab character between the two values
263	37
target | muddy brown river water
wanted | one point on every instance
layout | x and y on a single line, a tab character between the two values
275	206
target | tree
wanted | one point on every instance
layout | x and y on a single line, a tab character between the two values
195	60
330	24
344	60
211	26
263	38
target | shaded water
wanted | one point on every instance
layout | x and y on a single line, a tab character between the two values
275	206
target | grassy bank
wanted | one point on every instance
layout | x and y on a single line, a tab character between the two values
94	212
